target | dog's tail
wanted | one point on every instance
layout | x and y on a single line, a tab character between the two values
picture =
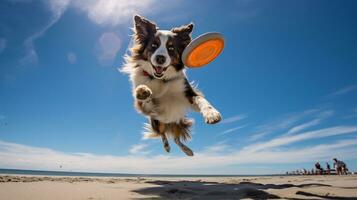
175	130
180	130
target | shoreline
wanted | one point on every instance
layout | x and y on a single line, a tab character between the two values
106	174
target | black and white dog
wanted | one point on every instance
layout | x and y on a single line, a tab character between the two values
160	86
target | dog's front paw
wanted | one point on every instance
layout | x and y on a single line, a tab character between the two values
142	92
211	116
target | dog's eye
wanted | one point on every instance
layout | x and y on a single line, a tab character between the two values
153	45
171	48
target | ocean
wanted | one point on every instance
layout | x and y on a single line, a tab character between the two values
93	174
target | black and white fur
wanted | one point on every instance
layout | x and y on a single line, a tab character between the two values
160	86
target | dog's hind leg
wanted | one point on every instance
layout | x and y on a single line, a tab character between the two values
163	137
166	143
182	131
160	128
183	147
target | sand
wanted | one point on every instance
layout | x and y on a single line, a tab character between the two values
90	188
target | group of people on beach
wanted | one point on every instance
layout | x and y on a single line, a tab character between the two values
340	168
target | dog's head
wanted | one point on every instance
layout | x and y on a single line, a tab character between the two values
160	50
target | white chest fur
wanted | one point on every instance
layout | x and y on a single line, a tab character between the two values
171	103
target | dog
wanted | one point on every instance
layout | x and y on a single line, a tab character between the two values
161	89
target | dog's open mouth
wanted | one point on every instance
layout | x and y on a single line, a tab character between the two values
159	71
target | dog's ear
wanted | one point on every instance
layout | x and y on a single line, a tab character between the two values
143	28
183	30
184	33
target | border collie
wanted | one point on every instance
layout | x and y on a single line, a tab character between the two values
160	86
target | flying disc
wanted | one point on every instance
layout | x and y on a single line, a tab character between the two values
203	50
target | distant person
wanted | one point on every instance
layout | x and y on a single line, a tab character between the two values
319	169
328	168
340	167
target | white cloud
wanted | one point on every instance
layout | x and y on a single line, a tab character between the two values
314	122
102	12
3	42
232	129
344	90
217	148
72	57
107	12
139	149
210	162
57	8
233	119
108	47
280	124
288	139
305	154
259	135
303	126
114	12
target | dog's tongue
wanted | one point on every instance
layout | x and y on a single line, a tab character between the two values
159	69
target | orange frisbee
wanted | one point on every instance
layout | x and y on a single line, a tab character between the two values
203	50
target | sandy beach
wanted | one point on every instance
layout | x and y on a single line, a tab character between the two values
15	187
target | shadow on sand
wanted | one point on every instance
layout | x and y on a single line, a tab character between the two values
194	190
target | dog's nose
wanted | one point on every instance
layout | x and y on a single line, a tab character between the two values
160	59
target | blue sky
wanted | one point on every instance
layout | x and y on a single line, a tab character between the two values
286	85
